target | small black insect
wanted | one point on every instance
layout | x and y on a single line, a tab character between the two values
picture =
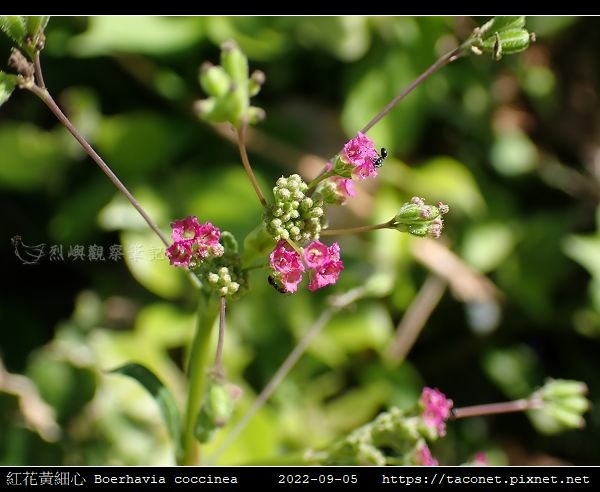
275	285
379	161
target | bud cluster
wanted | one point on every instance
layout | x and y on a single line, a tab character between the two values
293	215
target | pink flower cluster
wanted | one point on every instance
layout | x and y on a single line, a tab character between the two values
361	153
323	262
424	457
436	409
193	242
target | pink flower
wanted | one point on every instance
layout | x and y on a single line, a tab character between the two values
424	457
315	254
436	409
285	259
325	275
287	266
208	234
193	242
290	280
179	253
324	262
361	153
185	229
480	459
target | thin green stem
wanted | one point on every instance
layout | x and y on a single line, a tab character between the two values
255	267
39	77
495	408
357	230
241	138
320	178
196	372
441	62
47	98
296	248
218	367
337	304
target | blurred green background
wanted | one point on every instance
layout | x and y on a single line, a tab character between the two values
511	146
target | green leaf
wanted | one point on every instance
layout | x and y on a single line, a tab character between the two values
163	397
258	243
14	27
143	35
36	23
8	83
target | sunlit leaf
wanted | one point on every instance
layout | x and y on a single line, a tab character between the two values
8	83
160	393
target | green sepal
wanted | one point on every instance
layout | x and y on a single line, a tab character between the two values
229	242
506	43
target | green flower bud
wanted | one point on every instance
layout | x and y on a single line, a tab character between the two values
506	43
282	194
257	79
212	109
563	401
567	418
214	80
230	88
306	204
315	213
234	62
255	115
290	216
560	388
420	219
216	411
577	404
502	36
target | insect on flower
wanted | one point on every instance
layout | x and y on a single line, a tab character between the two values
276	286
379	161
